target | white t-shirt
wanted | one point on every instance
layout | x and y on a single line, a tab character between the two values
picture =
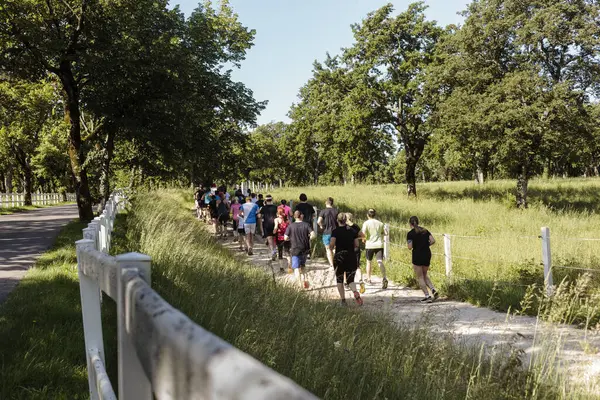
374	231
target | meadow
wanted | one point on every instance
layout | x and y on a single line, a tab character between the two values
496	248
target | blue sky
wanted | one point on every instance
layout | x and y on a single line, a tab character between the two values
291	34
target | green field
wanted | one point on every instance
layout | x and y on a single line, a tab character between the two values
496	249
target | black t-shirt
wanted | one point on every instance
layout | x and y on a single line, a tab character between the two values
299	234
260	203
222	208
269	213
307	210
344	239
329	216
213	207
356	230
421	254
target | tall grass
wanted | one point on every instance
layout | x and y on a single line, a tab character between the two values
335	352
497	250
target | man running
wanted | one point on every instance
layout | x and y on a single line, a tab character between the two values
374	232
344	241
249	211
306	209
259	226
328	222
267	215
299	234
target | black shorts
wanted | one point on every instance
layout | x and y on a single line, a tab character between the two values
423	259
374	252
345	262
268	230
223	218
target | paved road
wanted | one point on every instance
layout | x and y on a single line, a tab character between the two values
23	237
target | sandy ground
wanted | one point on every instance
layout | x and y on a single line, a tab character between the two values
578	351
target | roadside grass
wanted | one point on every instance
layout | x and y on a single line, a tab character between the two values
496	250
12	210
41	332
336	353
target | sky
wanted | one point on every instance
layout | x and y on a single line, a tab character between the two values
292	34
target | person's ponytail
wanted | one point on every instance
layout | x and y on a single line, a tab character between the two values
414	221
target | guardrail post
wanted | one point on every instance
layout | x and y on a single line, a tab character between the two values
133	382
547	260
386	242
448	255
90	310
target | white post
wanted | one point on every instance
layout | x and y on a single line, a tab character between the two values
547	260
12	200
96	223
103	233
386	242
90	310
448	255
316	217
133	382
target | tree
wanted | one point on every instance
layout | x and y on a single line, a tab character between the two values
392	54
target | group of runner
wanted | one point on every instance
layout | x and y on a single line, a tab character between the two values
288	236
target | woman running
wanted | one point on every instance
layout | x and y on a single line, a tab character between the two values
361	237
283	247
241	230
419	239
235	217
223	215
344	241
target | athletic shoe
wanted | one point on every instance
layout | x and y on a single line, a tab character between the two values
281	270
362	287
384	283
273	257
369	282
427	299
358	299
346	286
306	285
250	252
436	294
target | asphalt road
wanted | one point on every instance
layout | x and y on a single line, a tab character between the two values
24	237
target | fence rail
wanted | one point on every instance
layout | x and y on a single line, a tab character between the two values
162	354
10	200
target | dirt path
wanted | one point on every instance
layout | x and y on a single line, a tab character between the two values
578	350
23	237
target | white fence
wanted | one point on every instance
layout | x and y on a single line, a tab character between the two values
9	200
161	352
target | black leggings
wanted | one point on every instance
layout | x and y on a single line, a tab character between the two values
283	245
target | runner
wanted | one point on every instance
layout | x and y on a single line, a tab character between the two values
306	209
374	232
206	199
241	232
198	202
235	214
223	211
259	226
299	234
281	223
344	241
249	210
214	213
286	209
253	198
419	239
328	222
361	236
268	214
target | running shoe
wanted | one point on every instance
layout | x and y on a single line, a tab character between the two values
358	299
346	286
427	299
273	257
281	270
384	283
369	282
306	285
250	252
436	294
362	287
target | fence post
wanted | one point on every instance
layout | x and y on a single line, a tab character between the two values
103	233
547	260
448	255
386	242
90	310
133	382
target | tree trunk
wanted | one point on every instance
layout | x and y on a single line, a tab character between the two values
109	147
28	184
75	148
411	180
8	179
522	186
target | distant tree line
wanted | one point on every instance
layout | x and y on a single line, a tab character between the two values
512	93
95	94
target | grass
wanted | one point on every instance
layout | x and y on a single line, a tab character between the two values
334	352
41	332
12	210
495	267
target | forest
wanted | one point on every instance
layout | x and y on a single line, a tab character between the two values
102	94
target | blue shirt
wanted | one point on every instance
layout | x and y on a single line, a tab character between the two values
250	210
